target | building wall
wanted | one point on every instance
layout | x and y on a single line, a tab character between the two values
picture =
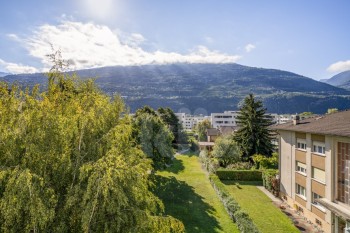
289	176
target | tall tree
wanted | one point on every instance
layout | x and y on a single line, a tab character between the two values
69	163
253	136
201	130
154	137
170	119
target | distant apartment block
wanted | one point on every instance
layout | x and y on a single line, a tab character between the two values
315	169
227	118
189	122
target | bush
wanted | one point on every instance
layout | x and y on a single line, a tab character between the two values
210	164
270	182
263	162
243	175
244	222
240	166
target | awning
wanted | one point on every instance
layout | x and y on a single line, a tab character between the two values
338	209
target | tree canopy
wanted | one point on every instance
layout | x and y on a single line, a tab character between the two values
226	151
253	135
201	130
69	163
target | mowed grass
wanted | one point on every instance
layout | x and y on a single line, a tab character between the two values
188	196
266	216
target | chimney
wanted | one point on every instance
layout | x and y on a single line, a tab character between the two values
296	120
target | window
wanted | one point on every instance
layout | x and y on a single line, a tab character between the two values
319	148
300	190
301	144
318	175
315	196
301	167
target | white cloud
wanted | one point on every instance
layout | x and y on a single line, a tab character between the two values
13	37
17	68
249	47
339	66
89	45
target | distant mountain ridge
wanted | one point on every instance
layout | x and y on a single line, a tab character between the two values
339	80
207	88
3	74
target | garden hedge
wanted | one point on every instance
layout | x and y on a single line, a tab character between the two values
241	218
241	175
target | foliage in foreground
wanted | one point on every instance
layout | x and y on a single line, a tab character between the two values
69	163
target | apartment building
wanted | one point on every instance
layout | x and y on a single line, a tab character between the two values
227	118
189	122
315	169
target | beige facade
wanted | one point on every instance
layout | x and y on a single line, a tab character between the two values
316	167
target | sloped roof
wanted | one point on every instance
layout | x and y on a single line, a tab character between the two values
337	124
227	130
213	132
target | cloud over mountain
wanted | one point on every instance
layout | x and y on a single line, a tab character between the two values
89	45
339	66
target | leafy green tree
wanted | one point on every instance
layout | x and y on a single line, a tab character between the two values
170	119
253	136
201	130
69	163
155	139
226	151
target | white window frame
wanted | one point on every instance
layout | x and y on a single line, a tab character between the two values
316	204
300	169
300	191
316	146
301	144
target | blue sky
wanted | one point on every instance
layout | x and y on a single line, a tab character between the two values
306	37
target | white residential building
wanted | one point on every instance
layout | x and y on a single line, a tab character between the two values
189	122
227	118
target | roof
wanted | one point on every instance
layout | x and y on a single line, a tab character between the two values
227	130
336	124
213	132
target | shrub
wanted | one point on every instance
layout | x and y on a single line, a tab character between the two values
240	166
210	164
263	162
242	175
244	222
226	151
270	182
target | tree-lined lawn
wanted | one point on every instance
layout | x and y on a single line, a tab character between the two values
266	216
188	196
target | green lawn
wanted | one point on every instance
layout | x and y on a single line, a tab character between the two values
266	216
188	196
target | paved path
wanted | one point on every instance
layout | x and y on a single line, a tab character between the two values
299	221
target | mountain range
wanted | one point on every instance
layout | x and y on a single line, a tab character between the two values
340	80
207	88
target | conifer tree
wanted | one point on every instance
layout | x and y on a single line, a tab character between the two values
253	136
